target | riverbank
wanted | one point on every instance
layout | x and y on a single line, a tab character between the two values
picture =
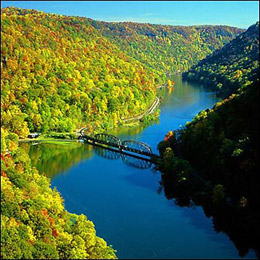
52	137
73	137
50	141
150	114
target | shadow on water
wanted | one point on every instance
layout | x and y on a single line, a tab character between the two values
133	161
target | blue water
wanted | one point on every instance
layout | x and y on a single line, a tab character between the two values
125	204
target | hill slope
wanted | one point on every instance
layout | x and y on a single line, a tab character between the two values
166	48
236	64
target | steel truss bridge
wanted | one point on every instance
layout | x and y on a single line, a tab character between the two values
111	141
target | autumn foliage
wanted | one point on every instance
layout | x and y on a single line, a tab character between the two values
59	73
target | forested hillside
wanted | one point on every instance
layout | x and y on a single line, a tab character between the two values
235	65
59	73
166	48
34	223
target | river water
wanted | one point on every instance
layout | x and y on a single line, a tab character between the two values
126	204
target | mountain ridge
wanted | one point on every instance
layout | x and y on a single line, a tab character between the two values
227	69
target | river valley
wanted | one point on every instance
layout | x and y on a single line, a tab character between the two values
127	203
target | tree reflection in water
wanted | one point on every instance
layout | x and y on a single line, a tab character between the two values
239	222
52	159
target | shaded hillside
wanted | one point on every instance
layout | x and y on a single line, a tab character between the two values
163	47
219	149
221	146
235	65
59	73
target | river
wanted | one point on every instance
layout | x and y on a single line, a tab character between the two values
126	204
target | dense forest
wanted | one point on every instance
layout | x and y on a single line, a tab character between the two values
166	48
59	74
220	146
234	66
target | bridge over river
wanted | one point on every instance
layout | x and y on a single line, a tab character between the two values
111	141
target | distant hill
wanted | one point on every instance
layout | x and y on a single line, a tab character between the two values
166	48
231	67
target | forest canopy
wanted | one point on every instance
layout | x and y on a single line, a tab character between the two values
166	48
60	73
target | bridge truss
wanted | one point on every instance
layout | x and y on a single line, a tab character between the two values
108	139
132	146
136	146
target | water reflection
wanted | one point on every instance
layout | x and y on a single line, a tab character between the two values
53	159
135	162
240	224
242	227
124	204
134	130
107	153
131	160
